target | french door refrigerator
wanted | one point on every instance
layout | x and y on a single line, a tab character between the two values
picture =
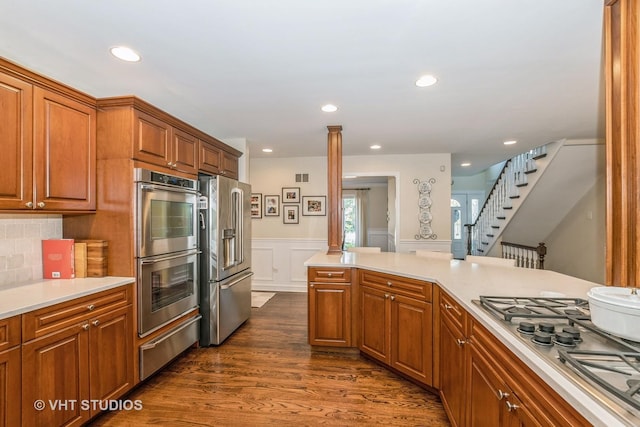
225	260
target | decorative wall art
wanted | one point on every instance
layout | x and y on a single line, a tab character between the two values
272	205
290	214
314	205
256	205
424	206
290	194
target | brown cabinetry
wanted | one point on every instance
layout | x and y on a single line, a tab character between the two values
10	372
329	297
74	353
215	161
483	384
49	140
396	323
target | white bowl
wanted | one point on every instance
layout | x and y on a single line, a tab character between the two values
616	310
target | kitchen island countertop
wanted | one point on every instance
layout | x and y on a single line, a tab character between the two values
465	282
24	297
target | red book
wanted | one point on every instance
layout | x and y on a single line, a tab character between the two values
58	259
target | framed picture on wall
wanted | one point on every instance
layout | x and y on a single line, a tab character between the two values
272	205
314	205
290	214
256	205
290	195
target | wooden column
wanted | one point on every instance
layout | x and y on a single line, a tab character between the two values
622	68
334	191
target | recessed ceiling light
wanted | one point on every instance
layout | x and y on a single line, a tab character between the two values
375	147
426	80
513	141
125	53
464	165
329	108
267	150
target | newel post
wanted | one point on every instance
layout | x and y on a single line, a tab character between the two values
334	196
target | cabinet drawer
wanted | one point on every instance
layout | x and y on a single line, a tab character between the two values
329	275
9	333
49	319
450	309
400	285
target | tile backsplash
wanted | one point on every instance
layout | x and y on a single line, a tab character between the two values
21	245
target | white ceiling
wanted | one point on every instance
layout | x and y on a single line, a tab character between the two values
508	69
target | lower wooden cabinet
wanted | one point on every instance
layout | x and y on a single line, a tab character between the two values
10	363
396	323
329	299
66	372
453	352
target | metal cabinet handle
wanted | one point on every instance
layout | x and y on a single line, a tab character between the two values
29	205
393	297
41	205
389	284
85	327
511	406
90	307
448	307
502	394
460	342
329	274
311	285
95	322
386	296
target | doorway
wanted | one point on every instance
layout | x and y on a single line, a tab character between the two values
465	207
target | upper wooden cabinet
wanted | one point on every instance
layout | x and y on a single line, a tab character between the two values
49	143
130	128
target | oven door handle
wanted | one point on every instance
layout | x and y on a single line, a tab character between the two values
152	187
228	285
167	258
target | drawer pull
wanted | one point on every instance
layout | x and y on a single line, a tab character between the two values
311	285
448	307
502	394
329	274
511	406
90	307
460	342
95	322
389	284
85	327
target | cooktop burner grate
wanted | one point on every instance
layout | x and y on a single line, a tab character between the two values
537	307
615	371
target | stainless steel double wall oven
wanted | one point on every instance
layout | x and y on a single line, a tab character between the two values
167	263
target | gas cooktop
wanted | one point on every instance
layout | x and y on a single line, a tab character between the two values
560	330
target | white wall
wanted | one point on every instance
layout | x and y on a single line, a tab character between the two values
21	245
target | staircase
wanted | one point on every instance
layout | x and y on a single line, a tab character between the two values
514	183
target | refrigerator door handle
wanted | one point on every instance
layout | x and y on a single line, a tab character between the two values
235	282
238	223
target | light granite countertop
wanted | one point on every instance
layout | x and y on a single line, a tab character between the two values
25	297
466	281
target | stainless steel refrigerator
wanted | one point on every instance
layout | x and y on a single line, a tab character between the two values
225	261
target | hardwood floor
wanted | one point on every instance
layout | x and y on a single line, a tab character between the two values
266	374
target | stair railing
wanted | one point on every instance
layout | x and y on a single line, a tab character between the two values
525	256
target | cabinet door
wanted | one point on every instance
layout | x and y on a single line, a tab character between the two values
229	165
375	323
330	315
152	140
10	390
209	158
55	371
64	153
16	184
486	393
184	152
111	347
517	414
411	337
452	372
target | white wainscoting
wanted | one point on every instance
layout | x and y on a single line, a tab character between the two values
278	264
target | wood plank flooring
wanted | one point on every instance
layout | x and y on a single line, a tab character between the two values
266	374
